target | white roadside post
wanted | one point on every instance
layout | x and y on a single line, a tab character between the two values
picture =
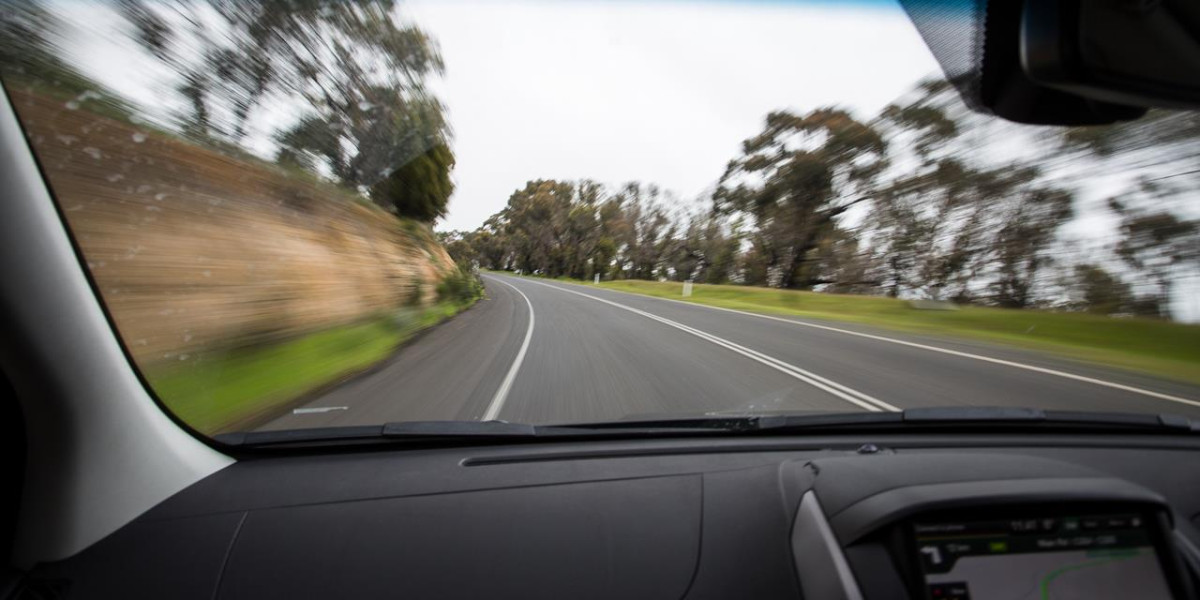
687	288
597	280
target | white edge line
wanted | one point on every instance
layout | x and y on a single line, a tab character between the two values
998	361
317	410
493	410
845	393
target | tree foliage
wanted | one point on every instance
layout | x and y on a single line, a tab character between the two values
583	229
794	179
30	41
420	188
1156	245
905	204
1101	292
352	72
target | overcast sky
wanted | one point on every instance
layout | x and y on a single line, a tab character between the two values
659	92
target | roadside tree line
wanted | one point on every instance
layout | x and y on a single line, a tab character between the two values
924	200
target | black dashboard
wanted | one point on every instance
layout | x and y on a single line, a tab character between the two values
772	517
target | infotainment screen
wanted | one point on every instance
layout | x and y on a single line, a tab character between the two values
1093	556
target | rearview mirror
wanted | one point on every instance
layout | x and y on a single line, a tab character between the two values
1065	62
1133	52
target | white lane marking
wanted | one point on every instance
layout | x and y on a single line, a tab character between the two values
493	410
317	410
849	395
998	361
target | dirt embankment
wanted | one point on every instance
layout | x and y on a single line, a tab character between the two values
195	250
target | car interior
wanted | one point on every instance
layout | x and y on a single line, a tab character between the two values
107	495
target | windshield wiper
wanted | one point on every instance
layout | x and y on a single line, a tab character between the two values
485	431
1034	416
958	419
431	431
399	430
948	417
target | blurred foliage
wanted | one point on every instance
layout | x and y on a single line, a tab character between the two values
354	74
911	203
1157	245
463	286
1101	292
459	247
583	229
1155	131
174	214
30	38
420	189
794	179
348	68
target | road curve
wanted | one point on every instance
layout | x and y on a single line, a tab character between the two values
538	351
452	372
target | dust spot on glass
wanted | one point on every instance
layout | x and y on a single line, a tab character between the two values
115	177
93	152
66	140
139	137
72	105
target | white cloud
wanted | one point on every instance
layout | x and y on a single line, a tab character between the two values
660	92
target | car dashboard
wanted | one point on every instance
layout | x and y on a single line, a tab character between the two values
854	516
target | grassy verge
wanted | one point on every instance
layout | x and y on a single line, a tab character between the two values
220	391
1164	349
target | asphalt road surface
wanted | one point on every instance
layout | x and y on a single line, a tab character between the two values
537	351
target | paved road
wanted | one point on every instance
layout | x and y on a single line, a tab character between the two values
536	351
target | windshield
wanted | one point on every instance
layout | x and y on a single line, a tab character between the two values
333	213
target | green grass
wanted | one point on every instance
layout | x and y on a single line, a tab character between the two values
1164	349
222	391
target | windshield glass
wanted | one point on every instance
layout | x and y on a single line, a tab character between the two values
355	212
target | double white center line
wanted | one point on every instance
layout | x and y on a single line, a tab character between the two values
854	397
